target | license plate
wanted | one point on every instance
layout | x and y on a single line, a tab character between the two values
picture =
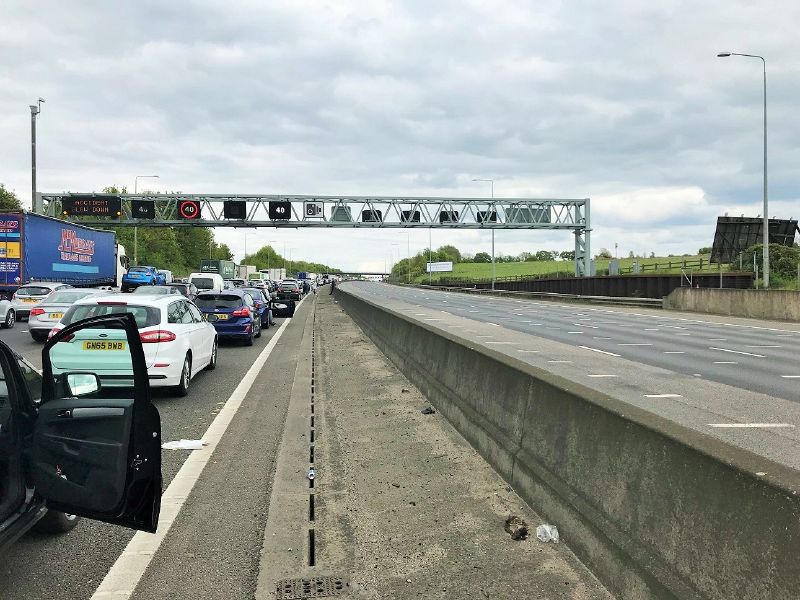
30	300
221	317
103	345
55	315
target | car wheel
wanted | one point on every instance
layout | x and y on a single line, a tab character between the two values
186	377
56	522
257	323
249	340
38	336
10	319
212	364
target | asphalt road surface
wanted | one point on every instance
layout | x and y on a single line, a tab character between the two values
758	356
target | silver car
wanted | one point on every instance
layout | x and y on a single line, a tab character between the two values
44	316
28	296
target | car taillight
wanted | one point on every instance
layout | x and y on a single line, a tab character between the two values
37	311
241	312
55	330
154	337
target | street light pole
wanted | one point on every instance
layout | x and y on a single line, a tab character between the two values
494	277
35	110
765	274
136	229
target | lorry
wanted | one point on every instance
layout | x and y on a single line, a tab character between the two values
244	271
38	248
275	274
225	268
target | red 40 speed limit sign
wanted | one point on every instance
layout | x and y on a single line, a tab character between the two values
189	209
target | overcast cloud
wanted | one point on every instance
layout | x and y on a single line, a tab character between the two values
622	101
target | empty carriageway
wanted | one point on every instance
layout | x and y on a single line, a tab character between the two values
735	379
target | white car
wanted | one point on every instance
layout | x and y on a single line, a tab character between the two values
178	343
29	295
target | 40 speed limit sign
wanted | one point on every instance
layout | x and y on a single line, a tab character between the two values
189	209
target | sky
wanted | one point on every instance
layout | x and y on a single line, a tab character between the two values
623	102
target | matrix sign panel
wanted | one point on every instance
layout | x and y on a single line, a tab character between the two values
280	210
189	209
92	206
143	209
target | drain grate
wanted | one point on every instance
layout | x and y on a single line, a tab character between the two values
313	587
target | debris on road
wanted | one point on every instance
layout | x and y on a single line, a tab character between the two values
311	474
516	527
184	445
547	533
428	411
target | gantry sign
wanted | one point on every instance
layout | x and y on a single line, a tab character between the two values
239	210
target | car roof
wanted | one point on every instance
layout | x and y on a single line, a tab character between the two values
44	284
137	299
227	292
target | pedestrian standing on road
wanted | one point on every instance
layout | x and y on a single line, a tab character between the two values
333	285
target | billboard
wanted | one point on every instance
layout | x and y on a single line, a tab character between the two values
734	235
439	267
10	249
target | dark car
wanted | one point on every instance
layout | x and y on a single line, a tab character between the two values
289	289
262	304
66	442
187	289
232	312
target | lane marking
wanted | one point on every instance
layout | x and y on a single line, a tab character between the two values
125	574
601	375
674	352
652	329
725	362
635	344
751	425
529	351
574	332
598	350
601	338
663	396
490	323
484	336
560	361
765	346
431	319
737	352
506	343
791	376
718	339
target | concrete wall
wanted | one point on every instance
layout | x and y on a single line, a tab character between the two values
654	509
782	305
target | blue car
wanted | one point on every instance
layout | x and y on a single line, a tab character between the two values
233	314
262	306
138	276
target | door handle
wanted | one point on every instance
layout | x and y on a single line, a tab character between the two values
65	413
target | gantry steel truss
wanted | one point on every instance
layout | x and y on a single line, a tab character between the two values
371	212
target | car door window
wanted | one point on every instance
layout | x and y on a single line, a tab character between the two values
186	314
33	380
197	316
174	313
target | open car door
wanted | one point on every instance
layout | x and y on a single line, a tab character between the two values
97	437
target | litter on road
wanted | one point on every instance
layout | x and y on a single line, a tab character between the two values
547	533
428	411
516	527
184	445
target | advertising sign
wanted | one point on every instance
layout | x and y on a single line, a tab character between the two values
439	267
9	249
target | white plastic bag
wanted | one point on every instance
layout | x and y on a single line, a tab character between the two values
184	445
547	533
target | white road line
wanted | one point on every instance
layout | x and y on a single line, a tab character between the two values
505	343
683	334
473	311
123	577
725	362
601	338
484	336
601	375
600	351
674	352
718	339
750	425
764	346
529	351
490	323
663	396
791	376
560	361
737	352
635	344
652	329
431	319
420	314
574	332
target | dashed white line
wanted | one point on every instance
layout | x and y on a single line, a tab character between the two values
791	376
764	346
663	396
598	350
601	375
718	339
560	361
490	323
506	343
574	332
529	351
737	352
674	352
635	344
725	362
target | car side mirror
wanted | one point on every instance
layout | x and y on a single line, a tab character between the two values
83	384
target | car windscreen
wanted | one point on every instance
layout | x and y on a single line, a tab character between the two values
138	270
255	293
33	290
214	301
69	297
146	316
203	283
152	290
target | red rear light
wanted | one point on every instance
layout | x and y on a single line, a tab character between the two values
241	312
154	337
37	311
112	303
55	330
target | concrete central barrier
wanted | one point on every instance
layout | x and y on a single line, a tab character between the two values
654	509
781	305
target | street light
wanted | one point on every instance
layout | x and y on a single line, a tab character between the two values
493	267
766	207
270	242
136	229
35	110
248	233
